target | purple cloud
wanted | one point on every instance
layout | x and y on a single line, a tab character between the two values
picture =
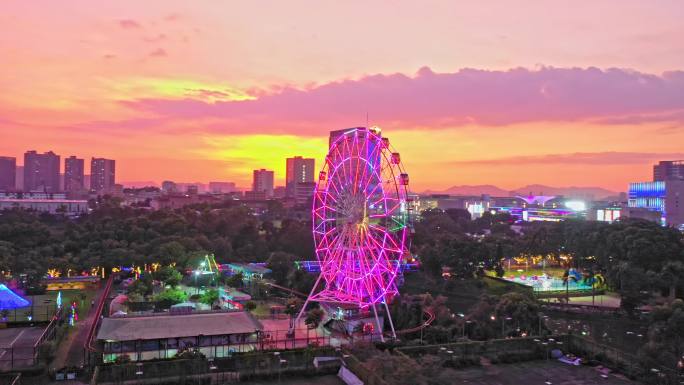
433	100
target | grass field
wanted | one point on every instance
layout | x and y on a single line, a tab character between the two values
43	306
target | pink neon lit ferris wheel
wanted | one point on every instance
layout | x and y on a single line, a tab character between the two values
360	220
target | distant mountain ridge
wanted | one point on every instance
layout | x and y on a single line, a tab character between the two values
532	189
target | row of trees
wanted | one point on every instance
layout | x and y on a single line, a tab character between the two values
112	236
635	256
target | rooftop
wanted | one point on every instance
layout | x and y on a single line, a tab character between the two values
249	268
173	326
31	200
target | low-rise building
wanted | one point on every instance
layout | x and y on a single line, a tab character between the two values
215	334
52	206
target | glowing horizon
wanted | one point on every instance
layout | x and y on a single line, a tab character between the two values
556	94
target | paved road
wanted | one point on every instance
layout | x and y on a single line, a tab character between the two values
71	351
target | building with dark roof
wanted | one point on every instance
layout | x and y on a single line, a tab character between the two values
215	334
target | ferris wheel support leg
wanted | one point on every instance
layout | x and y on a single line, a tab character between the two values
377	323
389	317
294	325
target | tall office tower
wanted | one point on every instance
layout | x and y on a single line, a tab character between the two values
8	170
298	170
668	170
73	174
102	175
262	181
41	171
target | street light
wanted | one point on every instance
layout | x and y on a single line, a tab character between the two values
541	317
503	322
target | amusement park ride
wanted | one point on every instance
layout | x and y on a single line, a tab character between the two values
361	226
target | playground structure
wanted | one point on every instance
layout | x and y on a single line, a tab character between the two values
360	223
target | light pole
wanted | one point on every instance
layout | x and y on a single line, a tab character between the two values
196	275
503	324
541	317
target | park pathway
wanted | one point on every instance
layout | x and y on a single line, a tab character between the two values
71	352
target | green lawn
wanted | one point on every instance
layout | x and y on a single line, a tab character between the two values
43	306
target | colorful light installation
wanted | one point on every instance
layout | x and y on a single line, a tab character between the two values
360	221
9	300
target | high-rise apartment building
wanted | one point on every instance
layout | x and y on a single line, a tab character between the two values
41	171
73	174
298	170
8	170
102	175
262	181
668	170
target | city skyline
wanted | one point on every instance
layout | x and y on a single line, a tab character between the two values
555	94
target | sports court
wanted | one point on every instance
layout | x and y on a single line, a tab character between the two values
16	346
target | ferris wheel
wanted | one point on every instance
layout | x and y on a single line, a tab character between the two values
360	221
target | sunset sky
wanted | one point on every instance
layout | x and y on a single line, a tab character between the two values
564	93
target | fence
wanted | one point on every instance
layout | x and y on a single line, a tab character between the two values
10	379
522	349
626	363
217	370
503	350
26	356
33	314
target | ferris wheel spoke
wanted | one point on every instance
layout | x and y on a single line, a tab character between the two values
385	238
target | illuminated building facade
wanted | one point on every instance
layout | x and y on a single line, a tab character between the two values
663	196
541	208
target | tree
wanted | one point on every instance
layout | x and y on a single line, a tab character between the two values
499	270
671	275
292	308
172	252
170	297
235	280
169	275
314	317
140	287
280	264
665	344
209	297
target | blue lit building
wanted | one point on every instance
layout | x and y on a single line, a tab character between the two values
663	196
